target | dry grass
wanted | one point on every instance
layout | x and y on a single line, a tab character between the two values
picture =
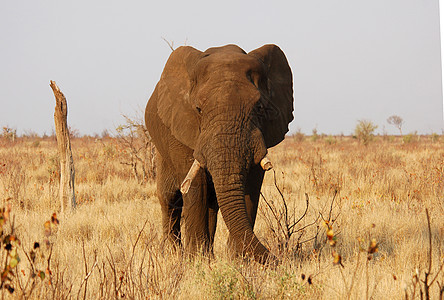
111	246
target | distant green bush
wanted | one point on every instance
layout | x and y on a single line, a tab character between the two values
364	131
331	140
410	138
434	137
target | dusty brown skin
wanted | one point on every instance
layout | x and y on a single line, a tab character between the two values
223	107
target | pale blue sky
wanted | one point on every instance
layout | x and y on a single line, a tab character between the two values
350	59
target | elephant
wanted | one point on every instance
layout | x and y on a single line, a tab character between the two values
211	117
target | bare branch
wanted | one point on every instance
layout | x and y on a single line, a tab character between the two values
307	200
170	44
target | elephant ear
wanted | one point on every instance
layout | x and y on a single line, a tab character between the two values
174	106
280	93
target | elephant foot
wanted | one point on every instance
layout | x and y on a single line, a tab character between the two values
267	259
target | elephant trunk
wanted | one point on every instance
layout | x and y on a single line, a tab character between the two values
229	176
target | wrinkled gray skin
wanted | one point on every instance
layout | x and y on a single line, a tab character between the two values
223	107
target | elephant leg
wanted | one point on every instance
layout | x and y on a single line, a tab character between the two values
252	193
195	215
213	209
171	202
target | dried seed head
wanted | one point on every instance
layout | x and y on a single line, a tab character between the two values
337	259
373	247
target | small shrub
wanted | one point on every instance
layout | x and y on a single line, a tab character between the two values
410	138
224	283
9	133
331	140
434	137
364	131
314	136
299	136
134	138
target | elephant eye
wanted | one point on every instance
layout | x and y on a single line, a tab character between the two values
199	110
251	79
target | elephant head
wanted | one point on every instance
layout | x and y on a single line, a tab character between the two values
228	107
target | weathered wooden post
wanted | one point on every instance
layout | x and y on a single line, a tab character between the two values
67	173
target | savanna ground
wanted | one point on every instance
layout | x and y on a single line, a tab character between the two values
375	244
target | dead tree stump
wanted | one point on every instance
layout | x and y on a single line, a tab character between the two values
67	173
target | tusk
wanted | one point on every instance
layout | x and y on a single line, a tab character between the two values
186	184
266	164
